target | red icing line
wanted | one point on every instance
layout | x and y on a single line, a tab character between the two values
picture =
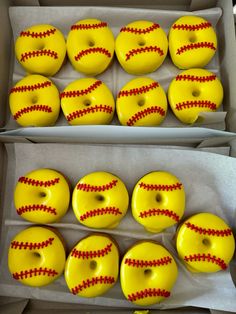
31	245
97	108
88	51
88	26
39	53
24	274
43	108
200	79
161	187
39	34
195	103
36	207
206	258
142	114
139	90
91	254
87	283
82	92
143	263
101	211
210	232
134	52
188	27
152	292
203	44
159	212
139	30
34	182
96	188
30	88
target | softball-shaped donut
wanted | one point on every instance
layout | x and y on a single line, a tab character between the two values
141	102
100	200
87	101
93	265
36	256
34	101
41	49
205	243
147	274
90	46
193	92
141	47
42	196
158	201
192	42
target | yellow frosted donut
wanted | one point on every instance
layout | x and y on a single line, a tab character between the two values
41	49
205	243
90	46
192	42
93	265
36	256
35	101
141	102
42	196
147	273
158	201
141	47
87	101
100	200
192	92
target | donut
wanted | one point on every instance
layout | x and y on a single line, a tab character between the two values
36	256
100	200
87	101
92	266
34	101
147	273
41	49
42	196
192	92
90	46
205	243
158	201
141	47
192	42
141	102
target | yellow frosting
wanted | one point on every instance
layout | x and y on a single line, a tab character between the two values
92	267
34	101
147	274
158	201
90	46
87	101
36	256
141	47
41	49
205	243
42	196
194	91
192	42
141	102
100	200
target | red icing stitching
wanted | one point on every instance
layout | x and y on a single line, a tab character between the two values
143	263
195	103
161	187
97	108
39	53
152	292
88	26
34	272
200	79
30	181
91	282
85	52
43	108
101	211
29	88
139	30
138	90
134	52
159	212
204	44
96	188
35	207
142	114
39	34
91	254
187	27
210	232
82	92
31	245
206	258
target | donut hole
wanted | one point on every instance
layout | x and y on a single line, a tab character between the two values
195	93
206	242
91	43
100	198
93	265
42	194
158	198
141	102
36	255
192	38
34	100
147	272
87	102
142	42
